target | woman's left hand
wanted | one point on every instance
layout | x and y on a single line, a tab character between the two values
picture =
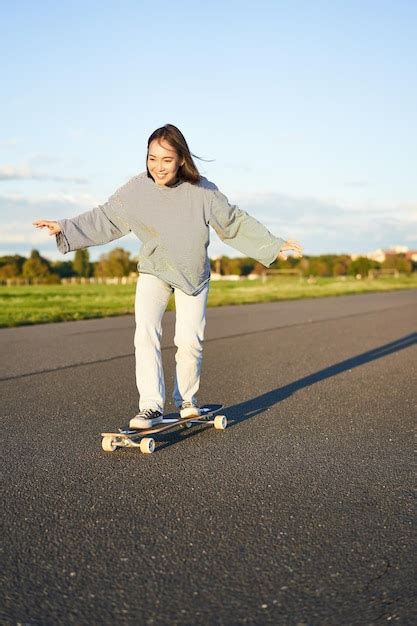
291	244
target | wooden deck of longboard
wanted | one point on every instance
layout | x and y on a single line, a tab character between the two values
138	433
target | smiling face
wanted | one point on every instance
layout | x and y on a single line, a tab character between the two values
163	162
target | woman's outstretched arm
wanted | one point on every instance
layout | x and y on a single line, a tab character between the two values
244	233
92	228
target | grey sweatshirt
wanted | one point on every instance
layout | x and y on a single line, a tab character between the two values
173	225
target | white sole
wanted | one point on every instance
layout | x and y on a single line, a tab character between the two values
190	413
144	423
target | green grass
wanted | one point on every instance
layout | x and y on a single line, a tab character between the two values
37	304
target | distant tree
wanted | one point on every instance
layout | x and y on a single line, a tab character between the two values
329	260
81	262
114	264
9	270
398	262
11	266
36	266
279	264
293	262
246	266
361	266
63	269
340	268
304	266
341	265
318	266
258	268
238	265
224	265
233	267
133	264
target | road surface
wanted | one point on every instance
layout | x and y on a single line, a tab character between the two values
300	512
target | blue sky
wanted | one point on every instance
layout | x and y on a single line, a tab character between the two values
306	110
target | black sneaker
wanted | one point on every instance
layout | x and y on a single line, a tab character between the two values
146	419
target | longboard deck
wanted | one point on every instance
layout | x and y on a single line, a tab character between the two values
135	433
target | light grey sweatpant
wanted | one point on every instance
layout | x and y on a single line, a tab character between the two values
152	295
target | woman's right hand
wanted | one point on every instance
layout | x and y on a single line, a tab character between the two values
53	227
291	244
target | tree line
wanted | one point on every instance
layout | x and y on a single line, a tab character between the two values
321	265
42	270
119	263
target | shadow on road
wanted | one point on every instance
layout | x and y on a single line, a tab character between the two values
238	413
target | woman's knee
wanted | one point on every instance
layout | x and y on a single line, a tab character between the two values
189	342
146	332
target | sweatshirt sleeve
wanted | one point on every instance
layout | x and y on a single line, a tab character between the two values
242	231
92	228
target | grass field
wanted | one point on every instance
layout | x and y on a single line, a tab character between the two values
37	304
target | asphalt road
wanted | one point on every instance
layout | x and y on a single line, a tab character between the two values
300	512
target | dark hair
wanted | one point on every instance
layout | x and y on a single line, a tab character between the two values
176	139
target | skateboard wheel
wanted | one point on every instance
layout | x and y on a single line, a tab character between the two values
107	444
147	445
220	422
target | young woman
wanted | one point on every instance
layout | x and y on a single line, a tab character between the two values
169	208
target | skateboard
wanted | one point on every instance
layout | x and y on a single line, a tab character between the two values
140	438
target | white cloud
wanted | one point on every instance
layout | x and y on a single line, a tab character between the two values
18	232
38	159
57	197
323	224
19	236
25	209
43	159
26	172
